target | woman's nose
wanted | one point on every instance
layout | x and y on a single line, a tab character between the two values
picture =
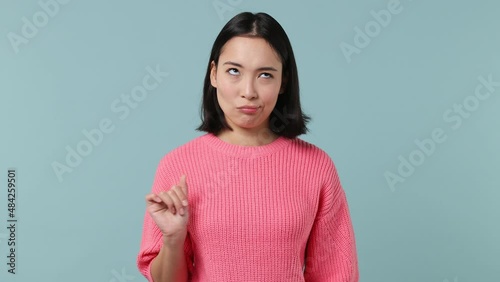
249	91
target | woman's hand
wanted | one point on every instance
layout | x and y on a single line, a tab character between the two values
169	210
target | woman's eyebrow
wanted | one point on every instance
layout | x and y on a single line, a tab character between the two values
259	69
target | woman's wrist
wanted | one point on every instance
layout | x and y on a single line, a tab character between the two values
173	241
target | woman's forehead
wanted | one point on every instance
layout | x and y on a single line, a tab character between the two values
250	51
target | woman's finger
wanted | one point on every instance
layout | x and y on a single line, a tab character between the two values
177	196
166	198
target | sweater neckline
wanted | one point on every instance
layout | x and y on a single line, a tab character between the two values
246	151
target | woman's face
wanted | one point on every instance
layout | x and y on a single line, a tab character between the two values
249	73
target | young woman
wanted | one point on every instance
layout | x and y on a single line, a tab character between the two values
248	200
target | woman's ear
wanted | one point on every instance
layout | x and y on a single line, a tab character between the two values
213	74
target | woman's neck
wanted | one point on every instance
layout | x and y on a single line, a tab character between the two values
248	138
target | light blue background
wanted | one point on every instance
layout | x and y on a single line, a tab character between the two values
440	224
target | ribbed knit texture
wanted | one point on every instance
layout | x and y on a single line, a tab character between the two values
275	212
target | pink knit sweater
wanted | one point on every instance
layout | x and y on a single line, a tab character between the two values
275	212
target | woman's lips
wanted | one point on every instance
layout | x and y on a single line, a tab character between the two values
248	110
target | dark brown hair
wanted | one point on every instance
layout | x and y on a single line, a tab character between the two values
287	118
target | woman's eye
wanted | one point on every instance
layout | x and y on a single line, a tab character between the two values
233	71
266	75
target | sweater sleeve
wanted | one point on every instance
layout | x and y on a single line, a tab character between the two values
151	242
331	250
